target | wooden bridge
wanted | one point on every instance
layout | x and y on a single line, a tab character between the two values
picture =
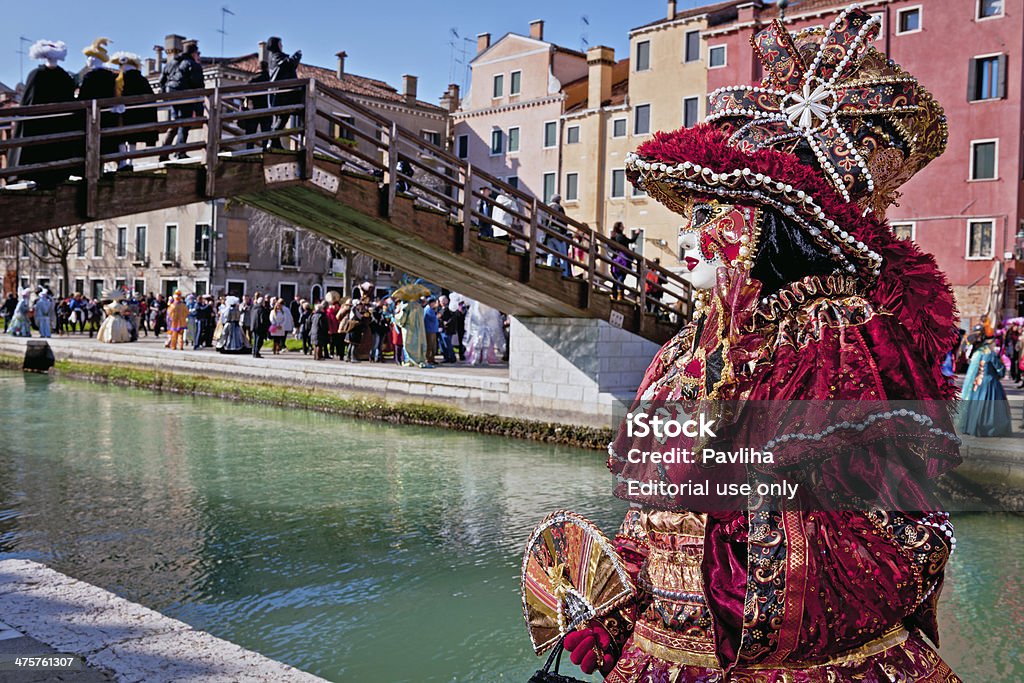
352	176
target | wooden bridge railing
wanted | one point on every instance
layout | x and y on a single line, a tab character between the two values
326	123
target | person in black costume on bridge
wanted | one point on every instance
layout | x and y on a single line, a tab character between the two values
281	67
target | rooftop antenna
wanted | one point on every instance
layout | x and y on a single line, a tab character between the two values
453	39
584	33
224	12
22	40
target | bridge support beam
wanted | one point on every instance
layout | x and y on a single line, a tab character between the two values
575	369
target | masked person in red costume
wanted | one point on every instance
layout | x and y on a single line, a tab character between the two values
806	296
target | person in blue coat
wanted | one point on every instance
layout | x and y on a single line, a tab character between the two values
983	409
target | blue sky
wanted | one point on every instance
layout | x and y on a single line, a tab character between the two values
384	39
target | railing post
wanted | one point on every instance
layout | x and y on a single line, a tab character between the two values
531	266
392	167
213	133
93	165
641	270
310	129
467	206
591	265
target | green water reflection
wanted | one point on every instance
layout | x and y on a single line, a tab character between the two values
353	550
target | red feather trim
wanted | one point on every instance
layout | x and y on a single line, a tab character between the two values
910	286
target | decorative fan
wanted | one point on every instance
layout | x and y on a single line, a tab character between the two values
571	574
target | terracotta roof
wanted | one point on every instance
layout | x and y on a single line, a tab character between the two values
576	92
728	7
350	83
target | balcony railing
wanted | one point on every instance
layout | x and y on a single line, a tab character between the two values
293	262
169	257
201	256
140	260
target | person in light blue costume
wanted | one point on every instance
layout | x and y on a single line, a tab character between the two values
983	409
19	325
43	313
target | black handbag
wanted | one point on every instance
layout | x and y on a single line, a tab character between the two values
549	675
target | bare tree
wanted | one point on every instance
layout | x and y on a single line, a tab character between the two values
53	248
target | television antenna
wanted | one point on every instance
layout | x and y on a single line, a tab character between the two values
22	40
224	12
584	33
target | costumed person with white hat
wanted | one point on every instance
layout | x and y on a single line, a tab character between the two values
485	335
114	329
47	84
43	312
813	358
231	339
19	325
130	82
98	83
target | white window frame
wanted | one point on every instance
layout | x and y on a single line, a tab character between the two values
625	127
144	254
280	250
511	81
685	36
177	240
195	286
554	185
977	12
512	180
458	145
163	280
287	282
554	138
881	24
92	282
82	244
508	139
97	244
650	124
995	162
611	184
913	228
426	134
974	63
312	289
697	99
494	81
636	55
245	285
568	129
967	244
567	198
899	20
137	280
490	143
118	230
725	55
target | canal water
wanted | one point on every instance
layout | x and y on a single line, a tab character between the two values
353	550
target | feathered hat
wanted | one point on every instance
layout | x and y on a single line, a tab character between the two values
98	49
48	49
124	58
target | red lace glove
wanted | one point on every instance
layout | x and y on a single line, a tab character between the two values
589	648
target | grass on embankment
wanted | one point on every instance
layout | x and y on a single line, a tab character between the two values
312	398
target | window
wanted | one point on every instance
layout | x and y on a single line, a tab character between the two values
287	290
119	284
986	79
236	288
619	128
981	239
643	55
691	46
202	288
25	251
983	159
618	183
549	187
80	246
513	181
499	86
908	20
572	187
638	191
122	241
289	248
904	231
431	136
515	82
344	132
96	289
202	246
139	286
168	287
642	120
462	146
691	111
572	135
513	139
716	57
79	285
170	243
97	242
140	242
497	142
881	24
551	134
990	8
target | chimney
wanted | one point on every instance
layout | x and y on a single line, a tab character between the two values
173	44
340	71
671	9
261	51
159	50
483	41
409	87
600	60
150	66
450	99
537	29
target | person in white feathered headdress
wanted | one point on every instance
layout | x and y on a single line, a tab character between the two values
46	84
19	325
130	82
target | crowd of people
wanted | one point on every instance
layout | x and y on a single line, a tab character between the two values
412	327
